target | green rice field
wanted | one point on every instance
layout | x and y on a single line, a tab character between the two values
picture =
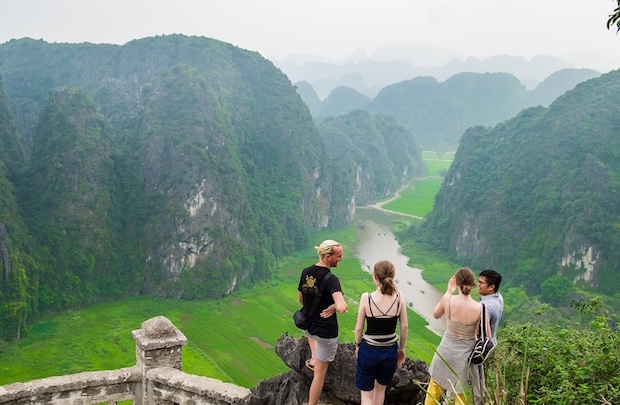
418	199
438	163
230	339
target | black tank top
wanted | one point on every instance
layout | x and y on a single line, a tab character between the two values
381	329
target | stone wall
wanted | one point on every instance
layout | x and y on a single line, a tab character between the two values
158	379
169	385
155	379
83	388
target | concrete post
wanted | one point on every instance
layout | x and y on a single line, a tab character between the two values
158	344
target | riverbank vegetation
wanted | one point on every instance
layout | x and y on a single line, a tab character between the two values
417	200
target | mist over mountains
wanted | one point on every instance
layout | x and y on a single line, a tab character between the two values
437	113
368	73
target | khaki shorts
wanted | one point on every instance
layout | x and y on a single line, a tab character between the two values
326	348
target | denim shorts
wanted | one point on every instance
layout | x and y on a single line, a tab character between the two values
375	363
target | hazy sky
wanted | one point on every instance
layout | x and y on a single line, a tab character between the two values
331	28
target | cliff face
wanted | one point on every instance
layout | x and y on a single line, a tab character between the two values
219	180
176	166
19	270
183	161
373	157
66	197
538	194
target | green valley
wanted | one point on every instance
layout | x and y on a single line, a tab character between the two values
250	321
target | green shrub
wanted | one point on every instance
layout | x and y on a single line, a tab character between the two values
554	365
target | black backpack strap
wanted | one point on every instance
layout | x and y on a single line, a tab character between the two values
317	299
483	322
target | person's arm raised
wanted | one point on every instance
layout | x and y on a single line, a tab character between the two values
440	309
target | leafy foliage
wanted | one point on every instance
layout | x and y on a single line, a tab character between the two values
19	276
557	290
614	18
558	365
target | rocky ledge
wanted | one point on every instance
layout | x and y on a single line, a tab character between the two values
291	388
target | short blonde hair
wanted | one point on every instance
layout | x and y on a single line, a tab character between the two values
326	247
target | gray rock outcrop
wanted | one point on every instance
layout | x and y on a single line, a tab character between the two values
291	388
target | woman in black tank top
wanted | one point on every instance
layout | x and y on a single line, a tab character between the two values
379	350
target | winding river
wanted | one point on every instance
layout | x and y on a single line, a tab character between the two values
377	242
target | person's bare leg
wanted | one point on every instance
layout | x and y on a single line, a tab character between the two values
379	394
312	343
366	397
320	370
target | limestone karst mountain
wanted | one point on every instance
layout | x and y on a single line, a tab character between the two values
176	166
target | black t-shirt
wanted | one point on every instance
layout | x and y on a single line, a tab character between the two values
309	283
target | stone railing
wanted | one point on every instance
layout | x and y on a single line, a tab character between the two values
155	379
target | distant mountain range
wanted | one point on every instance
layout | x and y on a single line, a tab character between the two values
438	113
368	73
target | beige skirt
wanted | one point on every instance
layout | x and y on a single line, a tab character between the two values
450	368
